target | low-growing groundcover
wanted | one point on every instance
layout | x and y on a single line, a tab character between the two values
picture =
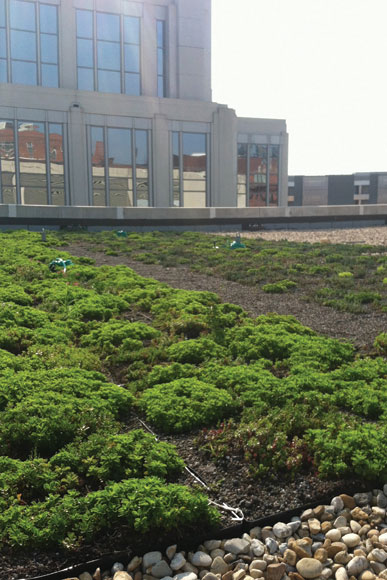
72	468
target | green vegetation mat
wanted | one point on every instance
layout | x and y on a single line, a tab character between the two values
271	390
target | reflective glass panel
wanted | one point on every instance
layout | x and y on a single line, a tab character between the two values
24	73
109	82
32	163
160	87
85	23
9	194
48	19
120	167
131	30
56	148
141	147
160	61
85	52
85	79
33	195
3	71
3	44
49	75
7	162
274	171
194	199
2	13
98	165
22	15
132	84
23	45
49	48
194	154
160	33
132	58
142	172
109	55
108	26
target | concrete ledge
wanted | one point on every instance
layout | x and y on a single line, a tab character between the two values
87	215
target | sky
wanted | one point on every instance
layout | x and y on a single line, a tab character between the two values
319	64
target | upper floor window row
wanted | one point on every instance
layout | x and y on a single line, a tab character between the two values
29	43
108	52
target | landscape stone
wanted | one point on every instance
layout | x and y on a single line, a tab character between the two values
219	566
281	530
160	570
151	558
121	575
341	574
85	576
237	546
351	540
201	559
177	561
357	565
309	567
134	563
275	571
171	551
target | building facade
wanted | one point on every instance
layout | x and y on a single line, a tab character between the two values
353	189
108	103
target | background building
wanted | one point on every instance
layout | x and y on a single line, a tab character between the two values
108	103
354	189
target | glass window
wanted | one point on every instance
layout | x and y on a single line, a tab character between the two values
258	175
242	175
7	162
3	44
3	71
56	148
84	23
274	174
85	52
132	84
109	82
2	13
108	26
142	170
131	30
194	169
32	163
48	19
22	15
50	75
176	168
23	45
120	167
98	166
161	52
109	55
132	58
85	79
24	73
49	48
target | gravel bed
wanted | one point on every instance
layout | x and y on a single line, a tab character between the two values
343	540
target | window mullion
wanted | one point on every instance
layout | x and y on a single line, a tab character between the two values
107	178
134	167
95	50
48	162
17	161
248	177
8	40
37	31
181	169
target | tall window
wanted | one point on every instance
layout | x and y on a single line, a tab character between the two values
30	30
108	52
257	175
119	167
161	58
189	169
32	163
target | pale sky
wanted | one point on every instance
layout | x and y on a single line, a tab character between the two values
319	64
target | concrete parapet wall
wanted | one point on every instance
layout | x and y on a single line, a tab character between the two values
85	215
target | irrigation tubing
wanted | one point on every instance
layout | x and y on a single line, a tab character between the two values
106	561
